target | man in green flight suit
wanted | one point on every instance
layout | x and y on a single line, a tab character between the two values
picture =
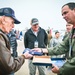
68	45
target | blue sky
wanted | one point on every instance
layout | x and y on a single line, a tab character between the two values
48	12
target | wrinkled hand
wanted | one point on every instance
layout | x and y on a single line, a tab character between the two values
27	55
55	69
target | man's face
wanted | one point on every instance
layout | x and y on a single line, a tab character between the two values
57	35
68	14
35	27
69	27
8	24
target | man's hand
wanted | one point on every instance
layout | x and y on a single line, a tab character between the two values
27	55
37	49
42	50
55	69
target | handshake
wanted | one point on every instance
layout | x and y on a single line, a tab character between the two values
32	52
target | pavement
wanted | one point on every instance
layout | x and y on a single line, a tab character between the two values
24	69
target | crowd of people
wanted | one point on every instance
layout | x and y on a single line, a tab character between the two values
36	39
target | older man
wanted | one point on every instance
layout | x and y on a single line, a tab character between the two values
8	64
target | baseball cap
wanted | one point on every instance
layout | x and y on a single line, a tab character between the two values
10	13
34	21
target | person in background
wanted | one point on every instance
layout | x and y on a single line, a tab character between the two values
68	45
8	64
13	43
20	35
67	33
49	33
35	37
56	40
17	32
68	30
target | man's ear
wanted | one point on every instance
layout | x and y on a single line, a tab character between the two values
0	20
3	20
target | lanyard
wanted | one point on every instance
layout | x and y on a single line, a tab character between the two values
70	43
70	47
